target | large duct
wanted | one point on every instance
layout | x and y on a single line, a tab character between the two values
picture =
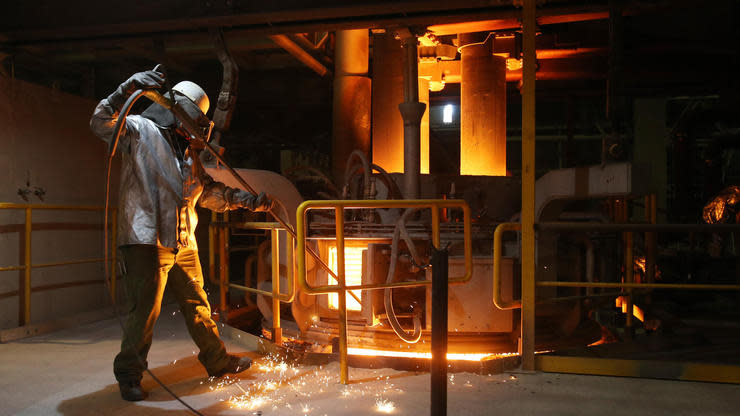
482	108
388	90
352	91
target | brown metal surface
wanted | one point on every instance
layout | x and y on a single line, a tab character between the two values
528	186
482	108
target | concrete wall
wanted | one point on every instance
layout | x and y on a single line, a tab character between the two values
46	146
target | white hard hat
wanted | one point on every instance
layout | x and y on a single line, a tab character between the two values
195	93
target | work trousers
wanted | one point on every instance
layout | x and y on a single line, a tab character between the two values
146	270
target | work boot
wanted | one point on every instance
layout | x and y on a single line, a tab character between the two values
235	365
131	391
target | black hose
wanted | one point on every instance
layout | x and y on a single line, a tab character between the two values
388	293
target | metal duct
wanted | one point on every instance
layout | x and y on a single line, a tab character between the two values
482	108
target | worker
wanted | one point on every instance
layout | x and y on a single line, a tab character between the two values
161	180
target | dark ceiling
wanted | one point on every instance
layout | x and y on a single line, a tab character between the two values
647	48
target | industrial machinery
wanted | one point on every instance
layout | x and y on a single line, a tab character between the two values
391	246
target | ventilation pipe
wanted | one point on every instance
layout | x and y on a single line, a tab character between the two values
412	112
351	105
482	107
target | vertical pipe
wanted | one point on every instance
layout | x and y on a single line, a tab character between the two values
342	295
387	123
529	27
113	253
277	331
439	332
26	303
351	97
482	107
412	112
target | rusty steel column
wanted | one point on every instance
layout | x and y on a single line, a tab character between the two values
352	98
482	107
412	112
529	28
387	94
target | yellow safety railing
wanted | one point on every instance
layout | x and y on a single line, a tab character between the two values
497	234
623	367
24	292
341	288
275	294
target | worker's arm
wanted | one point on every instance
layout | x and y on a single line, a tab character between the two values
106	113
218	197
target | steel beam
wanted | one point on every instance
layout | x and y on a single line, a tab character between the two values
529	28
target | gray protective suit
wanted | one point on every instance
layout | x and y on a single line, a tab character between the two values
161	182
158	190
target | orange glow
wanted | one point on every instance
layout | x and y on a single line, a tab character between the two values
426	355
352	275
637	312
388	136
483	115
513	64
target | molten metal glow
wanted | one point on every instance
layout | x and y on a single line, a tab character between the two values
427	355
352	275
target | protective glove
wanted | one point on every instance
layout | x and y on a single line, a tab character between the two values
256	203
147	80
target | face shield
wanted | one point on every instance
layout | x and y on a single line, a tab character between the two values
192	100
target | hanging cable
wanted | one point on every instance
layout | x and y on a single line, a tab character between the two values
388	293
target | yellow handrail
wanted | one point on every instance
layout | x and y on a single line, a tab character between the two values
434	204
24	317
339	206
497	234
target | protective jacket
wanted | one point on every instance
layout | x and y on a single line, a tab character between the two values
158	189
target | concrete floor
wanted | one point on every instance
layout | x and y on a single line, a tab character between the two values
70	373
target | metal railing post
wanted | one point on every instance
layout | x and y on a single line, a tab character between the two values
277	331
650	238
629	277
439	332
497	234
529	28
342	295
25	304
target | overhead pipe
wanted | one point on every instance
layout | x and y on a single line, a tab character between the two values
299	53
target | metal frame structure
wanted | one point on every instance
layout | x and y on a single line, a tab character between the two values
220	230
617	367
24	313
339	207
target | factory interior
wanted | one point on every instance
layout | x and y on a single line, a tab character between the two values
521	206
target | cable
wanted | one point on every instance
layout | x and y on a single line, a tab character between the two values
116	135
388	293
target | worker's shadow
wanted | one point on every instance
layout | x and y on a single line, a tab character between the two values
186	378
